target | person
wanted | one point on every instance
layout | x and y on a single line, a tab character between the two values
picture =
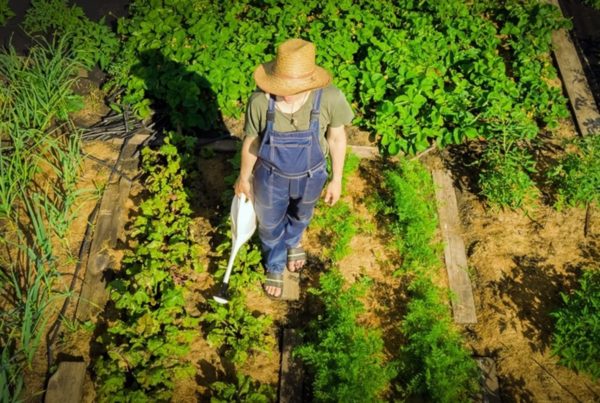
293	121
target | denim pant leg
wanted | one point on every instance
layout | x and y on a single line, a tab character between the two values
271	200
301	209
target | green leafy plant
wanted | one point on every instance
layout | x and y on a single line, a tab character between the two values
336	223
243	390
338	226
434	359
414	221
6	13
247	270
345	359
576	339
92	42
577	175
38	90
233	327
143	346
504	178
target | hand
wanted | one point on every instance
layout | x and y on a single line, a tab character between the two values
333	192
243	186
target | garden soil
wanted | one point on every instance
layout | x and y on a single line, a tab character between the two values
519	264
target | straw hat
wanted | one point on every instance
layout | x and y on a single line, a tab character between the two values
292	71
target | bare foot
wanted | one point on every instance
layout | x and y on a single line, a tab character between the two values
296	265
273	291
273	285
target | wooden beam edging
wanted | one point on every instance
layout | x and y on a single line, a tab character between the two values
109	224
463	305
291	374
580	95
66	384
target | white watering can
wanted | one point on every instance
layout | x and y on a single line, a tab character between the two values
243	225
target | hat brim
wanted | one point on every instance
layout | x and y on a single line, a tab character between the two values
270	83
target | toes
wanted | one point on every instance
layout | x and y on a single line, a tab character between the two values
273	291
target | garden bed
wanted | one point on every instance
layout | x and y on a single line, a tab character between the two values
518	265
486	92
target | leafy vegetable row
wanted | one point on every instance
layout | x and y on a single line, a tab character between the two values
148	329
418	72
434	362
38	138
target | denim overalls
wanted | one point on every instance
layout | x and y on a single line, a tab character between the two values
289	176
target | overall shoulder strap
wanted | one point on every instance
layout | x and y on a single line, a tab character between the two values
271	109
316	109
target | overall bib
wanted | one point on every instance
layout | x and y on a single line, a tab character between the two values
289	176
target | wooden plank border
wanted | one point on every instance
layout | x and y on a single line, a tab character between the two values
291	375
463	306
580	95
108	225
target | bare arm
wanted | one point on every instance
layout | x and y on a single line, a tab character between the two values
336	139
249	157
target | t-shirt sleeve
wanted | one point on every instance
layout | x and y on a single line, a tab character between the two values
341	112
253	123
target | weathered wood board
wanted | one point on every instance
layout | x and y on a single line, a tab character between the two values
66	385
291	373
575	81
109	224
291	286
463	306
490	391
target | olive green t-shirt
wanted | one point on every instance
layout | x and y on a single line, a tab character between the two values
335	112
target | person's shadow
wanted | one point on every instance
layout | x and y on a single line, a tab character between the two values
182	100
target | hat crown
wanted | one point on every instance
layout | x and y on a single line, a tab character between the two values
292	71
295	59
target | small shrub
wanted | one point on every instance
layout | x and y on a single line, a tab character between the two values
577	331
505	178
577	176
